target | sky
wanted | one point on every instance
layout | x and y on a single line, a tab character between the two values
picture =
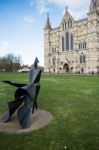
22	24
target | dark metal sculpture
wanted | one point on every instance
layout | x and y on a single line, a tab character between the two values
25	97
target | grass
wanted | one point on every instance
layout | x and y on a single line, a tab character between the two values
74	104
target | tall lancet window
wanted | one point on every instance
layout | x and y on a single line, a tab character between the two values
81	59
53	61
71	23
71	42
67	41
84	59
68	24
63	46
65	25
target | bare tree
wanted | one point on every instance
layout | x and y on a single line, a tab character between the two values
10	63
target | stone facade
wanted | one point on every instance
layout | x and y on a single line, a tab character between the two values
73	47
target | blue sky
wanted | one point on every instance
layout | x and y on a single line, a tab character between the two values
22	23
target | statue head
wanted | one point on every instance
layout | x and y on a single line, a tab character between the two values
36	62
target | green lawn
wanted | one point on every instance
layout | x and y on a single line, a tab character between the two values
74	104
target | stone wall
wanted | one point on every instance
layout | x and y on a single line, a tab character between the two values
86	30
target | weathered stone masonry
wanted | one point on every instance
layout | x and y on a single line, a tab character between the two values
73	47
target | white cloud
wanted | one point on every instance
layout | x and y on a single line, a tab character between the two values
4	45
42	6
5	48
31	2
62	2
28	21
74	6
73	3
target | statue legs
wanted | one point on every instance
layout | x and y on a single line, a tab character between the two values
12	105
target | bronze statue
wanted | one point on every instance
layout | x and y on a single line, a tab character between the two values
25	97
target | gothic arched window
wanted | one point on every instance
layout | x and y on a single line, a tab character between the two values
79	45
82	45
65	25
82	59
63	48
71	42
85	45
68	24
71	23
67	41
53	61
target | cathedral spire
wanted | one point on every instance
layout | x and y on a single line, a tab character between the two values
47	24
66	8
94	5
97	3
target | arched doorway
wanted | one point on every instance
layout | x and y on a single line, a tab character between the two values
71	69
66	68
82	70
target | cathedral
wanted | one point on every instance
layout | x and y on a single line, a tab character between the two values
73	46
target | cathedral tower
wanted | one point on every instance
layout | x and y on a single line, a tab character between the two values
47	30
73	46
93	34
